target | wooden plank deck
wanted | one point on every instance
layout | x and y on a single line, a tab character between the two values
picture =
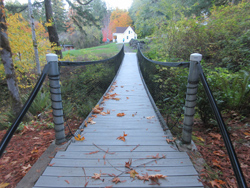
75	166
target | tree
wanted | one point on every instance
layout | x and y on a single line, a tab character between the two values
53	36
6	57
106	32
34	37
119	18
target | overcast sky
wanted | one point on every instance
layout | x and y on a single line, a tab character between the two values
121	4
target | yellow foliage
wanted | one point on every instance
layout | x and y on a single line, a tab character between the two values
21	43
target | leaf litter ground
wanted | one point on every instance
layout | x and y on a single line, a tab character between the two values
25	148
218	171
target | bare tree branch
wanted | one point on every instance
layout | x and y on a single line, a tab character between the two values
84	3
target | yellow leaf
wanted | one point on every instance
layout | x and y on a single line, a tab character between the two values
201	139
3	185
79	138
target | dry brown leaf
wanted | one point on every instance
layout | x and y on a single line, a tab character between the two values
66	181
120	114
217	183
170	140
97	176
217	136
128	164
116	180
150	117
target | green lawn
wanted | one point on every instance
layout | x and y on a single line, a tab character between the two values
107	50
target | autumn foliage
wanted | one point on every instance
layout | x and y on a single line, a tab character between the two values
20	37
119	18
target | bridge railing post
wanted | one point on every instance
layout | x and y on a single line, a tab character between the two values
191	96
56	98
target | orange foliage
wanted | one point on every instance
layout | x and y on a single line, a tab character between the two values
119	18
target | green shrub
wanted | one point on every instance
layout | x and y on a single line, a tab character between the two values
41	103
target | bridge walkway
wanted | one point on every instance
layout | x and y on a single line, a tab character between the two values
144	150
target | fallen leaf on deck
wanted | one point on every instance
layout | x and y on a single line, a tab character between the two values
155	178
122	137
132	173
116	180
97	176
120	114
128	164
97	109
170	140
66	181
145	177
150	117
79	138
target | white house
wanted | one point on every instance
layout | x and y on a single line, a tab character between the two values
124	34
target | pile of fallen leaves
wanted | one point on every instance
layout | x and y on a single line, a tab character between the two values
25	148
132	170
219	172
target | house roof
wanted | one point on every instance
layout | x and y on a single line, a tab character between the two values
122	29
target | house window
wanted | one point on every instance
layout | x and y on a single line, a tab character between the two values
128	32
127	37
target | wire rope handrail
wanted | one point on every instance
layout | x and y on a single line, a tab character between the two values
230	149
81	63
7	137
226	138
169	64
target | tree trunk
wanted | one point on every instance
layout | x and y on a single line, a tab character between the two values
38	68
6	57
53	36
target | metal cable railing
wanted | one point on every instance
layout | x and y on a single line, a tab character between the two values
89	80
230	150
192	88
7	137
167	99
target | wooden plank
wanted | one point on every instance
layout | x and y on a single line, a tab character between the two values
120	155
172	181
78	171
119	162
83	148
113	138
127	142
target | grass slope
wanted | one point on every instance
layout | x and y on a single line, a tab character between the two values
107	50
